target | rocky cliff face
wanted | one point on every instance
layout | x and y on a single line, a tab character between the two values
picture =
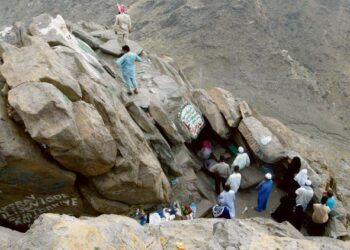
52	231
72	142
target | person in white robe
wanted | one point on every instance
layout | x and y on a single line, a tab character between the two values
242	159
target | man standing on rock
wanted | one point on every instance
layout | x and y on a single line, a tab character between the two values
127	65
122	25
264	191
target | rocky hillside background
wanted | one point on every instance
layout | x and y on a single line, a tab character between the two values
289	59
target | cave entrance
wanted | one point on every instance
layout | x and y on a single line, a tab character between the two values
246	197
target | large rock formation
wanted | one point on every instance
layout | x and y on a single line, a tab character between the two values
66	123
52	231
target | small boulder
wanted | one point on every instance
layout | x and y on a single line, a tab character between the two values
59	131
209	109
35	63
265	145
167	125
112	47
227	105
96	152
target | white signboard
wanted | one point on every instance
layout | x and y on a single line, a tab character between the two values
191	119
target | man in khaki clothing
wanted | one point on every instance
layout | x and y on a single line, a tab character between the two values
319	217
221	172
122	25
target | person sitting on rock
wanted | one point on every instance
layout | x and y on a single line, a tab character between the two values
319	218
330	201
221	172
304	195
127	65
122	25
226	202
234	181
264	191
242	159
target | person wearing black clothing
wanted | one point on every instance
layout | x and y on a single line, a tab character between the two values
288	183
285	210
298	217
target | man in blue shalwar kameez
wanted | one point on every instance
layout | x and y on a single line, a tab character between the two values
264	191
127	66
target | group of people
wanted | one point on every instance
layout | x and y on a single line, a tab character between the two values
229	178
295	182
300	193
126	63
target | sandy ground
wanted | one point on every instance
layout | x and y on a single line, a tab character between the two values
248	198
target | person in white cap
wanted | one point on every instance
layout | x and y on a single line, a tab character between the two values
264	191
242	159
301	177
304	195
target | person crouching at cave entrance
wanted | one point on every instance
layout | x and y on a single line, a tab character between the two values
127	66
122	26
242	159
221	172
234	181
264	191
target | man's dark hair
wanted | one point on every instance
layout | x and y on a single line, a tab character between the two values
222	158
324	200
329	193
227	188
126	48
236	169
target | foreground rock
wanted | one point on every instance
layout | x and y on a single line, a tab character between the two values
52	231
30	183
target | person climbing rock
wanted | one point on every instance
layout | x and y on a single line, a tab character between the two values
304	195
221	172
234	181
319	218
242	159
127	66
122	25
226	200
264	191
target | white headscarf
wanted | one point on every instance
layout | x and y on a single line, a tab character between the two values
301	177
241	150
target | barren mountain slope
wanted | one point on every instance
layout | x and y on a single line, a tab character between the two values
288	58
